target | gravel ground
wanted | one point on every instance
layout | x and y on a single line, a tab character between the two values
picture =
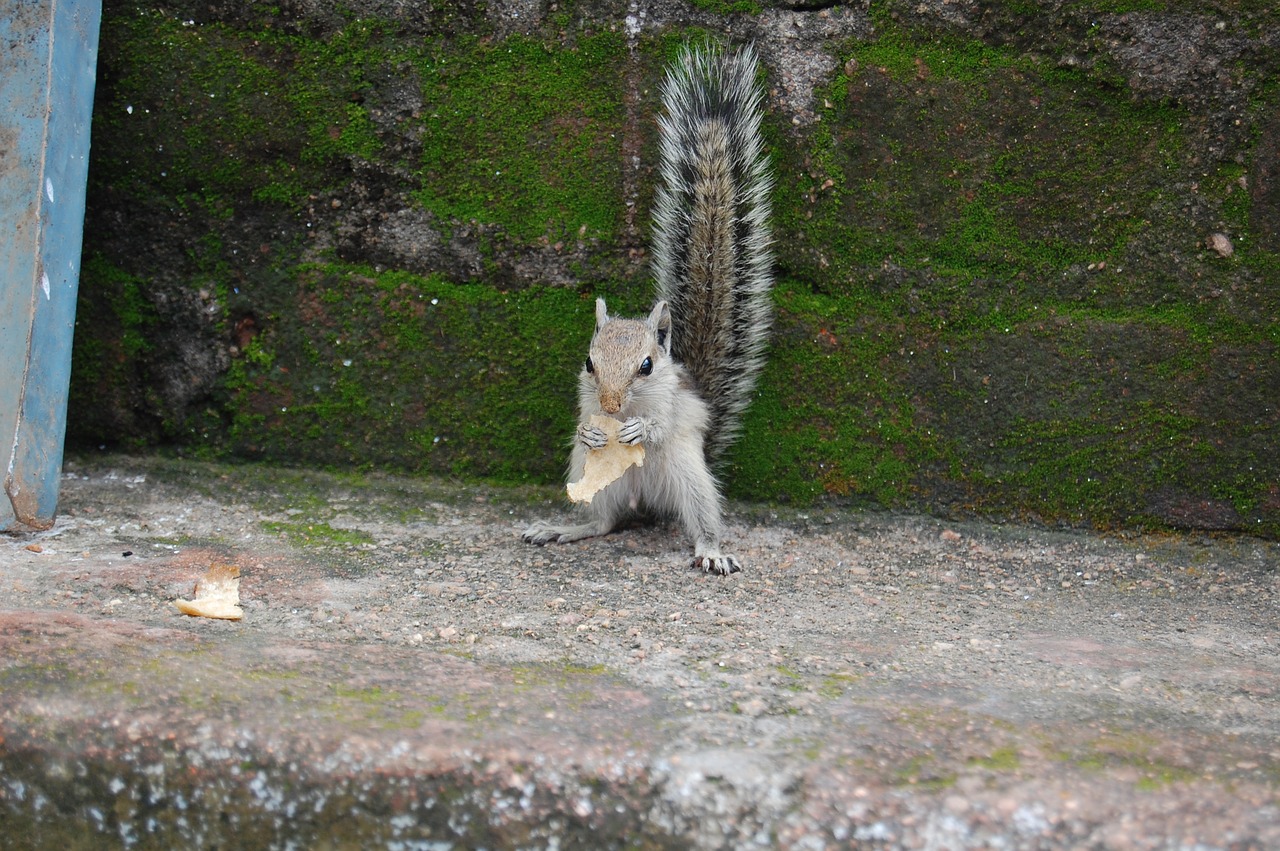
869	679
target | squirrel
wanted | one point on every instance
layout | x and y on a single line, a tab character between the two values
681	378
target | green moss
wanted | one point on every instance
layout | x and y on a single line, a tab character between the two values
989	318
118	300
835	685
523	135
906	56
1001	759
413	371
329	86
789	679
169	74
1133	750
1073	470
113	336
373	695
569	683
556	674
512	133
573	668
305	533
728	7
920	772
858	436
965	167
1081	414
376	707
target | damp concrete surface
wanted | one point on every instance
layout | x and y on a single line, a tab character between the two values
408	674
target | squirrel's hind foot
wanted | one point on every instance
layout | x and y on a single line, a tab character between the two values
718	565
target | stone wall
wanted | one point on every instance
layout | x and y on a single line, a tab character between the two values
1029	250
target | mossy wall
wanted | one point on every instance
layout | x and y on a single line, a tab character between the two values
1029	253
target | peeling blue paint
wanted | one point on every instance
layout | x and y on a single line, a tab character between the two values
47	75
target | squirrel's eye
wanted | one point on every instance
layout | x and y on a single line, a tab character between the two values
646	366
591	368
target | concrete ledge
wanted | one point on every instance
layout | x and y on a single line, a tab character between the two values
409	675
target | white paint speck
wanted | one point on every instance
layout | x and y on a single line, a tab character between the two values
44	284
48	189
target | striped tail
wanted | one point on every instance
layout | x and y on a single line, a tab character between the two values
712	260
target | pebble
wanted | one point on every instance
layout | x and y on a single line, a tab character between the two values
1221	243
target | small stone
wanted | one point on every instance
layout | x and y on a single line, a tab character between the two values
1221	243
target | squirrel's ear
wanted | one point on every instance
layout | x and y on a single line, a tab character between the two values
660	321
602	315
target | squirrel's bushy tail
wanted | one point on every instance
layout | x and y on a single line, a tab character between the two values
712	260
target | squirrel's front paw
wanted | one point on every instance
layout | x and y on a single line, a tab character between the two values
634	430
718	565
591	437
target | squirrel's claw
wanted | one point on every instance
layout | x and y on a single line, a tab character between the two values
718	565
540	533
591	436
633	431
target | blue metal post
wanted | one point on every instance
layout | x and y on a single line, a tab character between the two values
48	61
